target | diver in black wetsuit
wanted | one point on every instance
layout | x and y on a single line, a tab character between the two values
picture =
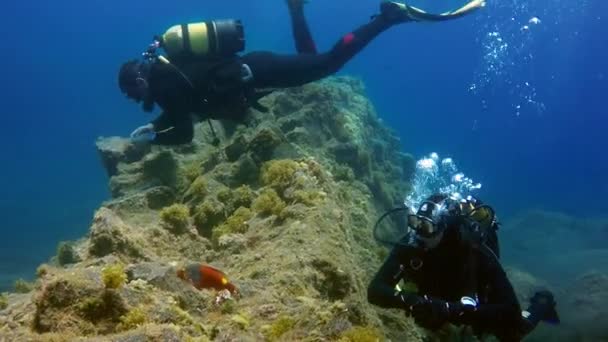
451	256
205	75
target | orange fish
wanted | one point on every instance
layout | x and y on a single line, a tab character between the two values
204	276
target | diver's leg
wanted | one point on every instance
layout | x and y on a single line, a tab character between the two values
272	70
398	11
299	27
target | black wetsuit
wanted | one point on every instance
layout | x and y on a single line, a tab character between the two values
218	91
445	273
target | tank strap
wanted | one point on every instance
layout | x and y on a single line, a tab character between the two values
246	74
186	38
211	36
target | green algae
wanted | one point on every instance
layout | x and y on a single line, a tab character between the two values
268	203
233	191
361	334
237	223
3	301
66	254
131	320
114	276
279	174
175	218
280	327
22	286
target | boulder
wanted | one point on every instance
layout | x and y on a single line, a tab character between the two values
114	150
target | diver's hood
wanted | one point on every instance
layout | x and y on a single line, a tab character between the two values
131	75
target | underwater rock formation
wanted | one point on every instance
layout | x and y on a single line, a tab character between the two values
557	247
571	254
284	205
115	150
582	307
586	303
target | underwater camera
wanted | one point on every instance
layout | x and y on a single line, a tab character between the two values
215	38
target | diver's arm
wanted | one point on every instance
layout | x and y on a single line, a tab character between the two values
501	313
174	96
381	290
162	122
173	129
175	113
502	310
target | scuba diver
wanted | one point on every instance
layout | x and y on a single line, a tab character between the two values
204	74
450	256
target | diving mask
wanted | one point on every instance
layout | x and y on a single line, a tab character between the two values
428	220
423	226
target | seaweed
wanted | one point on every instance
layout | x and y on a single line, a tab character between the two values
3	301
280	327
66	254
309	198
208	215
132	319
268	203
279	174
114	276
361	334
22	286
107	306
235	224
197	190
175	218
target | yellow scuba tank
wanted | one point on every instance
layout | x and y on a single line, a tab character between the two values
485	217
217	38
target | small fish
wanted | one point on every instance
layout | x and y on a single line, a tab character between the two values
204	276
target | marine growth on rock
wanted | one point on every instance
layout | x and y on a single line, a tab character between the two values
283	205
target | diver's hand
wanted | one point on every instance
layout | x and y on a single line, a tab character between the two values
542	306
431	313
409	300
141	131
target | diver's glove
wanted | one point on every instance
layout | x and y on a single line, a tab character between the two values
431	313
542	308
409	300
145	132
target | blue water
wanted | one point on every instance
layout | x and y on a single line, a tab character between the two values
437	85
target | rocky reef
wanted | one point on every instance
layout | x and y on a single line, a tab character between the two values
571	255
284	205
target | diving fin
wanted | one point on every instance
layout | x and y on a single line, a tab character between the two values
296	3
400	12
395	12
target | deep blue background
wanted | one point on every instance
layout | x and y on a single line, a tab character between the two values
59	93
